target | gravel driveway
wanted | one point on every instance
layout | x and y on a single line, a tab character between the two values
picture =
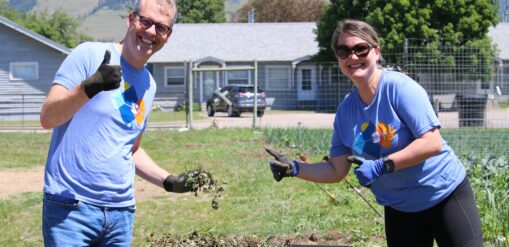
494	118
277	119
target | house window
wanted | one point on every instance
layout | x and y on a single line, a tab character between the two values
237	77
277	77
174	76
306	79
24	71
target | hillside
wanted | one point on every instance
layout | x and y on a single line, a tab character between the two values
101	19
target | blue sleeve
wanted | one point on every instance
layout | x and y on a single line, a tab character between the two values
414	108
337	145
77	66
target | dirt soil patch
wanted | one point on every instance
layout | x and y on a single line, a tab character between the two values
206	240
16	181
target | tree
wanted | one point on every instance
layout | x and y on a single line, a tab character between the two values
201	11
282	10
435	23
58	26
9	13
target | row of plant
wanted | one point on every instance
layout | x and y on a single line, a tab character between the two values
482	151
489	176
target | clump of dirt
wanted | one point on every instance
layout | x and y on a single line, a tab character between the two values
203	181
208	240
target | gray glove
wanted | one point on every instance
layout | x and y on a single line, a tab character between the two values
107	77
282	166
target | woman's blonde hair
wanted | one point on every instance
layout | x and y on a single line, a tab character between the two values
356	28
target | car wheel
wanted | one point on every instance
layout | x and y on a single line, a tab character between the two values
210	111
260	113
232	112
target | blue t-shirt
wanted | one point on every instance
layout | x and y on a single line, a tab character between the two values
400	113
90	156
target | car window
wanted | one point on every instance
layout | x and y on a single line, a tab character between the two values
246	90
249	90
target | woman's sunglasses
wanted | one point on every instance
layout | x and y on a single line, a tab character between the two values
146	23
360	50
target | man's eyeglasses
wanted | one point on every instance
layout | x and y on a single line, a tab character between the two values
360	50
146	23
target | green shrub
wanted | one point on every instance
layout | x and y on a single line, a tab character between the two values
482	151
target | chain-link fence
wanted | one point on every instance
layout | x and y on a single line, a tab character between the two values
467	86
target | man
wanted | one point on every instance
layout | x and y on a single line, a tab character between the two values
99	105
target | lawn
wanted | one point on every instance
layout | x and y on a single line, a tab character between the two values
159	116
155	117
253	204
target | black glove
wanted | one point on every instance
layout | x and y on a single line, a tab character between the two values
107	77
177	184
355	159
282	166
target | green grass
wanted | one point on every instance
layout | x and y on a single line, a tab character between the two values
253	203
20	220
23	150
35	123
159	116
155	117
504	105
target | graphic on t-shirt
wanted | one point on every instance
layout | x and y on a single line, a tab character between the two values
371	139
131	108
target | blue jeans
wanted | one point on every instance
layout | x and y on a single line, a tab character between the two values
69	222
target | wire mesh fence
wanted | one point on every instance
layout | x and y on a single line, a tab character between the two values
20	111
467	86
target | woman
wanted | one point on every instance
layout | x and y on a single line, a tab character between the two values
387	126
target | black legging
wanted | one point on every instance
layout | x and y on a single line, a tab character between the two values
453	222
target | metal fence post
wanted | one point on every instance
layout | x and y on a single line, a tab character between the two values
23	111
255	105
189	111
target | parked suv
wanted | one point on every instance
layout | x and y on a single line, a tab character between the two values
235	99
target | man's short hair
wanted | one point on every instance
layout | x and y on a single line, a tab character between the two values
170	3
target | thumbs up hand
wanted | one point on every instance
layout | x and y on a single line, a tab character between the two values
107	77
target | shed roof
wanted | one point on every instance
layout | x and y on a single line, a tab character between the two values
499	34
239	42
34	35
